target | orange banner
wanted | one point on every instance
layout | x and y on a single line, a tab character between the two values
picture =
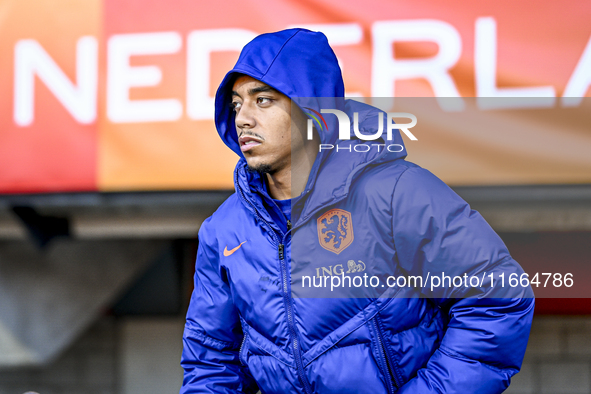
48	122
118	95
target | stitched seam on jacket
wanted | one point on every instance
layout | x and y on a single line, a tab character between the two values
252	341
459	356
209	341
362	323
273	357
392	207
267	354
414	326
278	53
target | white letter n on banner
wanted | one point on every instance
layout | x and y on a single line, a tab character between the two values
79	99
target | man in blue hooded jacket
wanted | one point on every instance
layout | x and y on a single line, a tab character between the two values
299	213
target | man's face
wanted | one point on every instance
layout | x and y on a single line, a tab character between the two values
263	124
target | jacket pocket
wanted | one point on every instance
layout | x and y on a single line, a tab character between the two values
387	363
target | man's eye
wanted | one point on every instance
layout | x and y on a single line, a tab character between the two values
263	100
236	106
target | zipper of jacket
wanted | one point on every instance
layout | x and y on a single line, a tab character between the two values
289	307
286	296
291	324
240	355
386	367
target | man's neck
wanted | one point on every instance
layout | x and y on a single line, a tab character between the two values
279	184
290	181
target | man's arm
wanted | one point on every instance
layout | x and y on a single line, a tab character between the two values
212	335
436	232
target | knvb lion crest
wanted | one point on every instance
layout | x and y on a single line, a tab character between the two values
335	230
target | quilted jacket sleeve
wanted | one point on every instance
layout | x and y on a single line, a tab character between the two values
212	335
437	234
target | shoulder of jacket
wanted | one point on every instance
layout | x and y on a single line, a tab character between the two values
400	177
230	205
388	172
415	175
420	187
219	217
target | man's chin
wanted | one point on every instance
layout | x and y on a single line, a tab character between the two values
261	168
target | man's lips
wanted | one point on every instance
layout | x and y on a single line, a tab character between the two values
248	142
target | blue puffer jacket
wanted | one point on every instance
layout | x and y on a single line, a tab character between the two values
254	320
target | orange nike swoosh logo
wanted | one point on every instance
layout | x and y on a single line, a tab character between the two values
229	252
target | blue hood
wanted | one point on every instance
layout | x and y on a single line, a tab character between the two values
296	62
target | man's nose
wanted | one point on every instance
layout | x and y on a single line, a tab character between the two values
244	117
